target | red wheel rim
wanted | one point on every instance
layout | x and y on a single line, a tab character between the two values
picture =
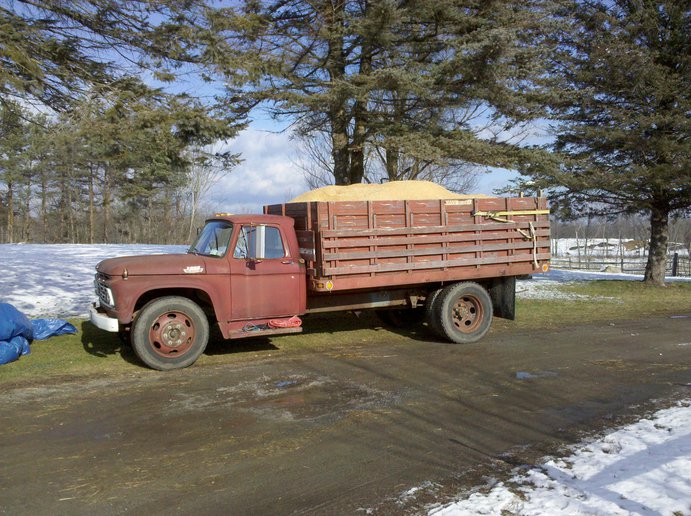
172	334
467	314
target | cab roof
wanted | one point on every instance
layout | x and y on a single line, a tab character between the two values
256	218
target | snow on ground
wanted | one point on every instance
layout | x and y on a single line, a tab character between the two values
643	468
58	280
548	286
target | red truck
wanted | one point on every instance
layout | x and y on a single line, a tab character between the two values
451	263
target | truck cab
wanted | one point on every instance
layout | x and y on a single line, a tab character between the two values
242	271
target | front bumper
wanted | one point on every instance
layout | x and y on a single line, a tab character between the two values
101	320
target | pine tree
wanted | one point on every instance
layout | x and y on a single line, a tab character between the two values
52	51
622	98
412	78
13	145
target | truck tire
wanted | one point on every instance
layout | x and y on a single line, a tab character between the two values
170	333
464	312
431	312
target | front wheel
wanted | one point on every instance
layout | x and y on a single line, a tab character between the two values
464	312
170	333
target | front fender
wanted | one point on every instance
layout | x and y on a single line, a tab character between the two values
130	292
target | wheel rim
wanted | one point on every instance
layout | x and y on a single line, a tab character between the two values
467	314
172	334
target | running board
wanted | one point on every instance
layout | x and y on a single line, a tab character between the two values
247	332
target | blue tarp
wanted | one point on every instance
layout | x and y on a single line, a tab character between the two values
44	328
16	332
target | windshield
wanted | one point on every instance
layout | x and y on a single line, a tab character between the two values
213	240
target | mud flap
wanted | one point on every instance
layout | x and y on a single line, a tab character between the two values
502	291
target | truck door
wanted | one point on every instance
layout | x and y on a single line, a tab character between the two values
264	278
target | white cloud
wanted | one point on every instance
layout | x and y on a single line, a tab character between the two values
267	174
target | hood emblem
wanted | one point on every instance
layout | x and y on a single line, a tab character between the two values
193	269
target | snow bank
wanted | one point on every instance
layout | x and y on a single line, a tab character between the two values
643	468
57	280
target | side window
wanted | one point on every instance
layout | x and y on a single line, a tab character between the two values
274	243
259	242
242	248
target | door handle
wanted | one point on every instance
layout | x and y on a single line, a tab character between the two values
287	262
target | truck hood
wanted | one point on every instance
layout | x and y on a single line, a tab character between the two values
151	265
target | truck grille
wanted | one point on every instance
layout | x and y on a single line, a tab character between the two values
105	295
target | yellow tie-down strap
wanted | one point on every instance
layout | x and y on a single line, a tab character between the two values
532	236
501	216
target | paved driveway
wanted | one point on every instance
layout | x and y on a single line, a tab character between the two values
334	432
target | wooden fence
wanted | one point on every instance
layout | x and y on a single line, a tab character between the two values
679	266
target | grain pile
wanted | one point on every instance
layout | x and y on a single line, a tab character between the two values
391	191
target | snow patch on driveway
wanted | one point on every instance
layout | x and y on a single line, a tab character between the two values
643	468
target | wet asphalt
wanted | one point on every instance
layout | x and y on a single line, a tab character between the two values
384	428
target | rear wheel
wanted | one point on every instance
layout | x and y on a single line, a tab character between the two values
170	333
432	311
464	312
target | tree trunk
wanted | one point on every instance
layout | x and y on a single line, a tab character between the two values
27	211
106	204
392	156
338	116
44	206
10	213
70	188
91	204
149	217
657	250
357	165
193	213
340	152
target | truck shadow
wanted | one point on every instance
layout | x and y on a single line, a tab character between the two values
103	344
366	320
369	320
219	346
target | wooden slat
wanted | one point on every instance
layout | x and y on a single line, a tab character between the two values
427	251
497	226
430	239
450	264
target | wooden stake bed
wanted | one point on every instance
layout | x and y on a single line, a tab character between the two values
352	245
